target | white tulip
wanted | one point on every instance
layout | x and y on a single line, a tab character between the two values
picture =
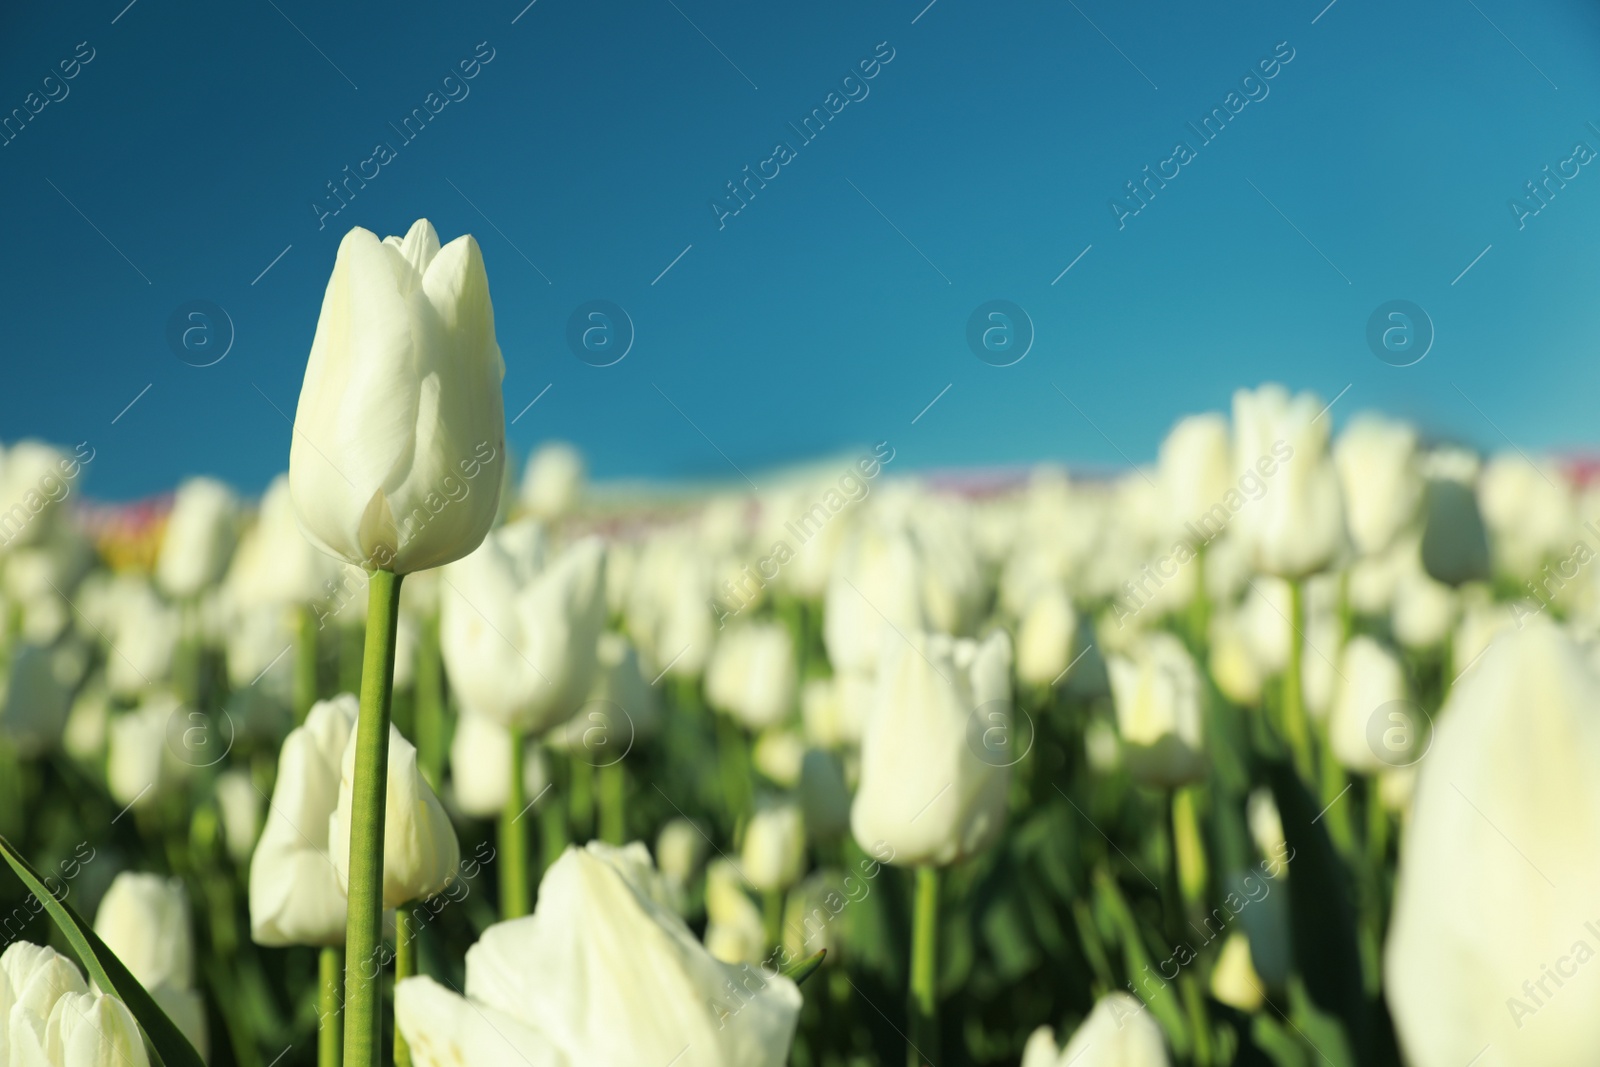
239	805
199	539
1371	678
275	564
1157	691
1494	907
1234	980
778	754
91	1030
142	766
1046	636
33	979
1530	513
143	634
751	675
399	438
144	919
420	850
601	940
480	766
774	853
519	633
928	789
734	930
553	481
1265	823
680	849
1424	610
1232	659
1296	527
296	894
1197	467
87	725
874	589
1382	483
1117	1033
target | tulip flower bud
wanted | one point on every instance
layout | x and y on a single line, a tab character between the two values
1233	663
1119	1032
1046	636
199	540
144	919
777	754
751	675
774	853
296	895
553	481
1382	483
90	1029
1423	610
1296	527
420	850
1507	806
399	438
1371	679
928	789
520	634
603	935
1156	688
33	979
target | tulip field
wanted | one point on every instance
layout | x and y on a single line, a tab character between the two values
1279	750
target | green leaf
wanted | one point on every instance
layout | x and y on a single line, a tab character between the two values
168	1046
800	970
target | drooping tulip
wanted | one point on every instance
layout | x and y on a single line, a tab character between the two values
519	631
399	438
935	758
1296	527
1494	908
420	849
1156	688
296	895
548	987
199	540
144	919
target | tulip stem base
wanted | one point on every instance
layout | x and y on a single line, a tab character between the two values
922	1007
363	1010
330	1006
514	902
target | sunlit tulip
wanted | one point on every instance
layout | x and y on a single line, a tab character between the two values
296	895
774	853
1371	683
35	478
1119	1032
1046	636
1296	527
275	564
1197	467
1494	911
143	761
1529	511
553	480
1423	610
777	754
33	979
399	438
1157	692
144	919
200	535
751	675
239	805
1234	667
519	629
546	989
420	850
90	1030
39	579
874	590
734	930
480	766
928	789
1382	483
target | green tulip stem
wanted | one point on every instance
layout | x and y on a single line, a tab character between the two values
363	1032
305	662
580	799
514	896
330	1008
772	917
430	704
1296	729
613	790
923	1041
552	834
1199	605
405	966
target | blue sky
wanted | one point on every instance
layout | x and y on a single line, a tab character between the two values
182	162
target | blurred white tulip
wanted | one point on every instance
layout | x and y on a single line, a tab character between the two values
1197	467
1530	512
751	675
602	938
275	564
1157	692
873	591
1046	636
1371	679
480	766
144	919
1377	462
680	849
519	632
1232	660
397	456
1455	542
141	766
778	754
1234	981
199	538
420	850
1495	893
931	788
1296	527
91	1030
1118	1032
553	481
296	895
734	930
774	854
239	805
